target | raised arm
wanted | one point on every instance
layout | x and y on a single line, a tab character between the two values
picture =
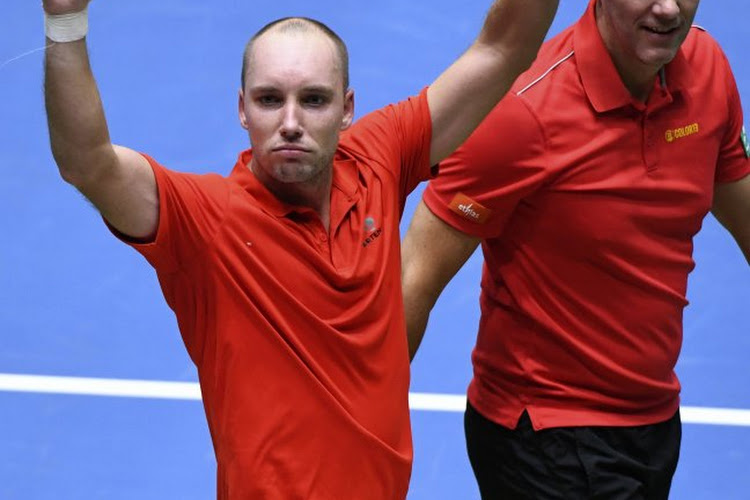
507	45
118	181
732	208
431	254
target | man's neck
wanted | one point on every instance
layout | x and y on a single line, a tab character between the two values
314	193
638	81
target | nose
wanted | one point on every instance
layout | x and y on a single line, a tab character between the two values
291	127
667	8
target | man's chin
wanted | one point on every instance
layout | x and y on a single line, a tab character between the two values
293	173
658	56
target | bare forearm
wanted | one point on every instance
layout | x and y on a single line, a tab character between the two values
431	254
511	36
417	308
517	28
78	130
463	95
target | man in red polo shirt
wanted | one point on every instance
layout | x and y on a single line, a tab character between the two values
285	275
585	187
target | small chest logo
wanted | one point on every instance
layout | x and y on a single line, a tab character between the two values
372	231
470	209
674	134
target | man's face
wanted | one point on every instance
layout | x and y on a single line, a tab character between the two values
644	35
294	106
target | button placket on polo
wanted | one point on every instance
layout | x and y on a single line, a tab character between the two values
309	222
650	148
652	125
320	234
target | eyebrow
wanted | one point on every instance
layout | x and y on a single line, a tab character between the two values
320	89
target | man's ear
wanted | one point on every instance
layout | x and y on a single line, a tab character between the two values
348	117
241	109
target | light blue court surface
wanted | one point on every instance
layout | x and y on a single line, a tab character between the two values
76	303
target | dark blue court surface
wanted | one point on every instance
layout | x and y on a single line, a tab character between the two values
76	303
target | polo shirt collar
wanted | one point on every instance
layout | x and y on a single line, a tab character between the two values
345	181
601	81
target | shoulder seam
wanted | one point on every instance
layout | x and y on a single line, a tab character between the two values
541	130
549	70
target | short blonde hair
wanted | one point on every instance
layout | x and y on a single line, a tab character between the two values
300	24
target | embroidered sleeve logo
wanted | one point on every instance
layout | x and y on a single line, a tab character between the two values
470	209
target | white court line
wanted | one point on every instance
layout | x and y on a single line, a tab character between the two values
191	391
100	387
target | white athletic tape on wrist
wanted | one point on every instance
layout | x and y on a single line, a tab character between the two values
67	27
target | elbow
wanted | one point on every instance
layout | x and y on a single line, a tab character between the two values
82	168
69	175
70	171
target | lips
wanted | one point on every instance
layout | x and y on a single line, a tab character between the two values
291	147
661	30
291	152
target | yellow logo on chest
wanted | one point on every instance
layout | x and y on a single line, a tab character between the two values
674	134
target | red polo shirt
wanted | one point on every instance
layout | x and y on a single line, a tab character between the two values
297	332
587	202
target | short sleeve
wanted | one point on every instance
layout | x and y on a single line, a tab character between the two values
191	209
482	182
734	162
399	135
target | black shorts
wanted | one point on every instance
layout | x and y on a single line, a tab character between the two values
607	463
